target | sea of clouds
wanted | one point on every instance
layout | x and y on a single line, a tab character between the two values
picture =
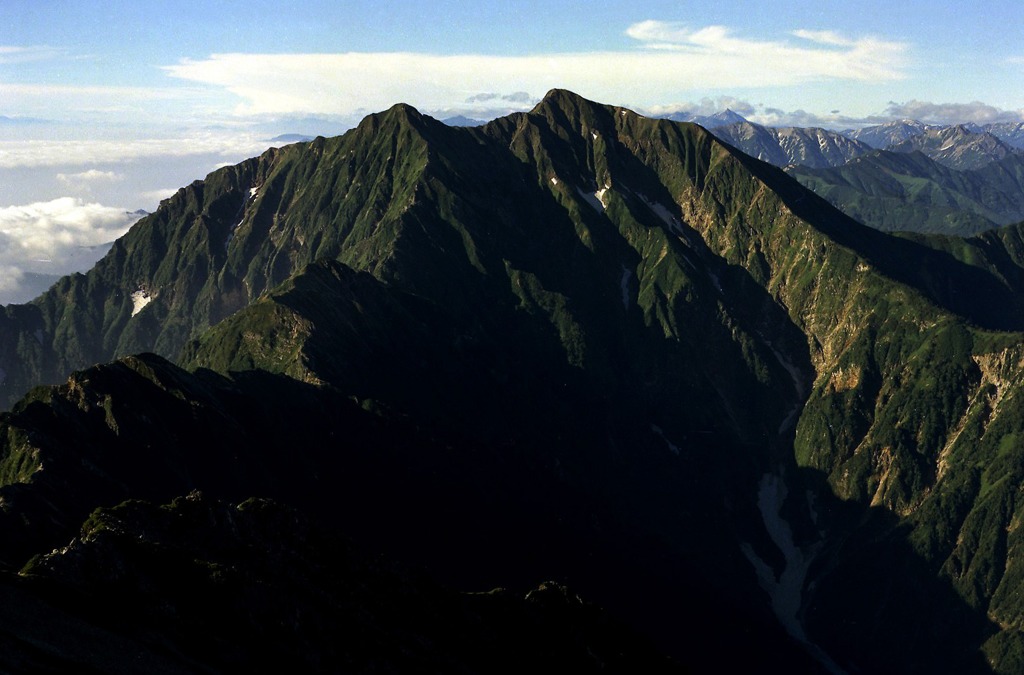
45	240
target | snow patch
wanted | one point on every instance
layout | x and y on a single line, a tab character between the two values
661	434
595	199
785	589
663	213
593	134
624	285
688	261
716	281
253	192
140	299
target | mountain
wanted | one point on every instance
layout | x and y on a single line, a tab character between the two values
1011	133
783	146
957	147
908	191
573	344
462	121
718	119
291	138
882	136
916	194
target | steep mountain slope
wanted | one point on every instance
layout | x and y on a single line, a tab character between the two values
1011	133
783	146
956	147
908	191
881	136
573	343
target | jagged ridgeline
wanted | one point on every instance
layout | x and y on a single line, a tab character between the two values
572	343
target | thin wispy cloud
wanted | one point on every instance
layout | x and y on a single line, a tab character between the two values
515	97
825	37
669	58
14	54
90	176
37	153
830	54
99	104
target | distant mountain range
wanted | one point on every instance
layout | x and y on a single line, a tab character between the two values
574	387
463	121
957	147
720	119
881	136
783	146
957	179
908	191
291	138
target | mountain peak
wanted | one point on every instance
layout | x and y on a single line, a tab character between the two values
566	101
568	110
727	116
403	111
398	116
557	95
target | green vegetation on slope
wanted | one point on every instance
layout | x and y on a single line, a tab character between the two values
568	336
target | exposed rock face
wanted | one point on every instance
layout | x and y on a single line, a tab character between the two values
957	147
783	146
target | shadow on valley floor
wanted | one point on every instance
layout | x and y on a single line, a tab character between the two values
872	602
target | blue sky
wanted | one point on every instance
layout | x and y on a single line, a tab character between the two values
154	58
114	105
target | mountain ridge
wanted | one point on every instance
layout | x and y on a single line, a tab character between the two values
909	191
666	354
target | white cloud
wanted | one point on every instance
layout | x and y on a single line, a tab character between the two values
670	59
10	282
824	37
56	237
83	183
952	113
157	196
706	106
655	32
